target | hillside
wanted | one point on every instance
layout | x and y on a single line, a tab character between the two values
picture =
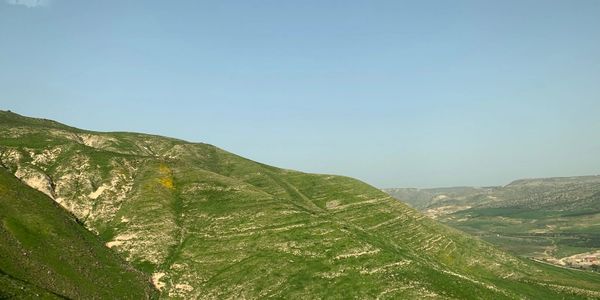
45	253
205	223
547	218
426	198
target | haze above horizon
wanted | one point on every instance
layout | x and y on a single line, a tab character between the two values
396	93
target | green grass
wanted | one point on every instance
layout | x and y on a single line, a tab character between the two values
528	233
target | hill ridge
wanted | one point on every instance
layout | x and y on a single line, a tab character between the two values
205	223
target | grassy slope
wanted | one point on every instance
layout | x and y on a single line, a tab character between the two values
45	252
210	224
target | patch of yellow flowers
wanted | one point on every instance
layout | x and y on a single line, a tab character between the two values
166	178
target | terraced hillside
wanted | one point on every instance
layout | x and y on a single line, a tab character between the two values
422	199
550	219
45	253
205	223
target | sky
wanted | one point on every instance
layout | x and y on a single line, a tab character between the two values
395	93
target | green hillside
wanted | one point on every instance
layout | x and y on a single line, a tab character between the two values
45	253
205	223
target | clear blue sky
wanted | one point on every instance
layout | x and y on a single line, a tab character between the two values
396	93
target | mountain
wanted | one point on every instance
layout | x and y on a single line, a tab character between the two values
547	218
205	223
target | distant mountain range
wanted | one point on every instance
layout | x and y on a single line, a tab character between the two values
118	215
546	218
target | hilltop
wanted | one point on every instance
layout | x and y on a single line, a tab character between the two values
201	222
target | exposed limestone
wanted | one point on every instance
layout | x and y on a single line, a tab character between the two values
367	250
156	280
114	243
98	192
47	156
36	180
385	267
97	141
10	158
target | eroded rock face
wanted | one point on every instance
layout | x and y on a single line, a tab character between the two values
93	191
10	158
97	141
36	179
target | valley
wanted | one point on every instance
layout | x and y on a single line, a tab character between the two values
556	220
